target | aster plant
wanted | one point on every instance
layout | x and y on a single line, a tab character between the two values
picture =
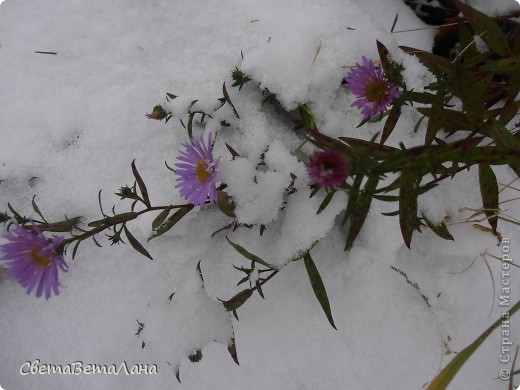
365	169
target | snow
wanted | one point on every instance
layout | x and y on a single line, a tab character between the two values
72	122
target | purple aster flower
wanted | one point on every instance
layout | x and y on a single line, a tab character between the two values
33	260
374	93
197	172
328	168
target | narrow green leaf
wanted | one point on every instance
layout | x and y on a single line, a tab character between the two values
307	117
142	186
259	289
441	229
390	123
442	380
232	349
136	244
226	96
318	287
486	27
60	227
489	192
436	64
361	210
190	125
225	204
113	220
503	66
233	152
238	300
170	222
407	206
160	218
37	209
352	198
326	201
248	255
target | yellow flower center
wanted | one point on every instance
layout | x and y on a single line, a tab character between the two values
376	91
42	261
202	170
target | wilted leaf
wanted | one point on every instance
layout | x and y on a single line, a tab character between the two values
489	192
318	287
136	244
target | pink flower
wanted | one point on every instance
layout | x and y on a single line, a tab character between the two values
374	93
328	168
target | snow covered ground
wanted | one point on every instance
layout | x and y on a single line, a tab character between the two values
72	122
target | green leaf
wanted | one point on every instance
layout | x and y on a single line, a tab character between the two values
232	349
248	255
489	192
136	244
436	64
233	152
442	380
226	96
170	222
60	227
441	230
142	186
225	204
118	218
307	117
390	123
326	201
37	209
238	300
470	90
361	210
318	287
190	125
486	27
407	206
503	66
160	218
